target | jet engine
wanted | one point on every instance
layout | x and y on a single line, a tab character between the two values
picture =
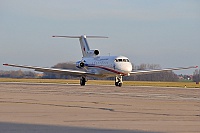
93	52
80	64
96	52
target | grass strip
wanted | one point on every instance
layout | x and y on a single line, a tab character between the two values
106	82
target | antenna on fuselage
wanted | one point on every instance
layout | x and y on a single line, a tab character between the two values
83	42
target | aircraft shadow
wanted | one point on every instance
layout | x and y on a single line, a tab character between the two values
6	127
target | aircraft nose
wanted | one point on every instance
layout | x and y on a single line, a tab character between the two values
125	67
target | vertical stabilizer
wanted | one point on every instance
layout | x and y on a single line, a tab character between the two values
84	44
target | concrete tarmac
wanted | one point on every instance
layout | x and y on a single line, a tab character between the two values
29	107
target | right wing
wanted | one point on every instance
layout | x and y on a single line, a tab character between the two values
139	72
54	70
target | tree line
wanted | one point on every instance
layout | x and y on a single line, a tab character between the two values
196	76
18	74
159	76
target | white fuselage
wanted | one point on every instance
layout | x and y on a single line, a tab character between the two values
107	66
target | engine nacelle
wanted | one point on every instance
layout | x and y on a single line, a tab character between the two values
80	64
93	52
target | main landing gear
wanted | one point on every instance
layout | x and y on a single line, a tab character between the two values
118	81
83	80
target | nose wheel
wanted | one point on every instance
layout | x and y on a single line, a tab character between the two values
118	81
83	81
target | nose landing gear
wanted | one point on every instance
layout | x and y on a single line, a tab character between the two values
118	81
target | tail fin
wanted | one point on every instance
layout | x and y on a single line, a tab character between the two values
83	42
84	45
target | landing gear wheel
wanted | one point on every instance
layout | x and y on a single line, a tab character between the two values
118	81
82	81
120	84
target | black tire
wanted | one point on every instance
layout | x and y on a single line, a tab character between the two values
116	83
120	84
82	81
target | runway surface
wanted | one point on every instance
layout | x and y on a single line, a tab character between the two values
93	108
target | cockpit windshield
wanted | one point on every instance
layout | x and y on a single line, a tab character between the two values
122	60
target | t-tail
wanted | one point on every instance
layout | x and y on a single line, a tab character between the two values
84	44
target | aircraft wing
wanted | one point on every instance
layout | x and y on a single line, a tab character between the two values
139	72
54	70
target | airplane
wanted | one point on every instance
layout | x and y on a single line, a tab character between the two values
92	64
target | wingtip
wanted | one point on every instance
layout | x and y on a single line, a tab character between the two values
196	66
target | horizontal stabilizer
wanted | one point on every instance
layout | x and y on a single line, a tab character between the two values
84	44
82	36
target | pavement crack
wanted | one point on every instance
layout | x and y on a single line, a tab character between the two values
59	105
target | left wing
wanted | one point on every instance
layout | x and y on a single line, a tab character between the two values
54	70
159	70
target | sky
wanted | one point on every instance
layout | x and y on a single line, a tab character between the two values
146	31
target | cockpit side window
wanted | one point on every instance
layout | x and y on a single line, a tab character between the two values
122	60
